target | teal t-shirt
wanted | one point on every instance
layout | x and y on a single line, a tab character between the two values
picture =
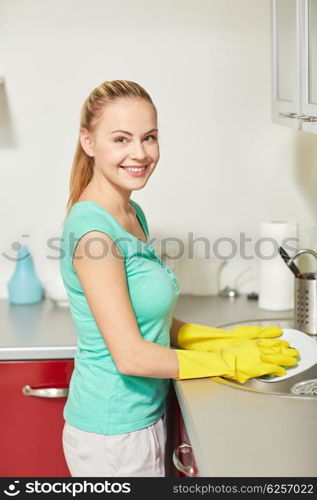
100	398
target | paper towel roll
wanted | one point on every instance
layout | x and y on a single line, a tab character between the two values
276	281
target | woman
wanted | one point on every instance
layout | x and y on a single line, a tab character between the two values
122	298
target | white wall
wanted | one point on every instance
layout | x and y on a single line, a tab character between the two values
224	166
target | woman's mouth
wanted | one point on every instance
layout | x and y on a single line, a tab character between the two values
135	171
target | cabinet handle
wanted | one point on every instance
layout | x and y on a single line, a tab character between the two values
306	118
50	392
288	115
189	470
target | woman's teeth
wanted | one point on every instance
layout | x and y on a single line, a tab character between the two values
135	171
130	169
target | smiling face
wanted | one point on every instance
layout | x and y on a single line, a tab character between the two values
124	143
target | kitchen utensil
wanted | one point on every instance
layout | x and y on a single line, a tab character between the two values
307	348
287	261
305	298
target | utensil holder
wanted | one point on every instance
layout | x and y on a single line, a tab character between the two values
305	298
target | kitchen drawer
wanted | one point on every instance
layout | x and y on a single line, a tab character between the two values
32	425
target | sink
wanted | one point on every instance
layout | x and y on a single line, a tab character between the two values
301	385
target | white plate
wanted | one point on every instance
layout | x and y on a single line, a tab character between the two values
307	348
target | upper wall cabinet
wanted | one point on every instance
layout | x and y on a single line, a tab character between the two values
294	58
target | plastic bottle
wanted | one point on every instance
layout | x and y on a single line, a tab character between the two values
24	287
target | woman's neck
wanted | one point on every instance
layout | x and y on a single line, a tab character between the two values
108	196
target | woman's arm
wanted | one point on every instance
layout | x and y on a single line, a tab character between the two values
177	323
103	280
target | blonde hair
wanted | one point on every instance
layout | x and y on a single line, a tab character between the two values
107	92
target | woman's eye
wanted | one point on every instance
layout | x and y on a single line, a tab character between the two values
119	139
147	138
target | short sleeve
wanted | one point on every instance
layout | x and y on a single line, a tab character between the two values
89	219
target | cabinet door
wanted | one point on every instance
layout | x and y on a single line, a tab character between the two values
286	87
31	425
310	66
183	456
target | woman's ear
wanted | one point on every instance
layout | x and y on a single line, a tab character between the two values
87	142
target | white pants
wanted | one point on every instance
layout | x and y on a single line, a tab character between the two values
134	454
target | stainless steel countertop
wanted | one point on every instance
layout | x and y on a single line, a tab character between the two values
238	433
234	433
38	331
216	311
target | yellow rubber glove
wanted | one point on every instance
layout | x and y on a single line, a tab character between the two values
207	338
252	358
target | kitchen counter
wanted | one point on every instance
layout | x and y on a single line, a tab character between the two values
37	331
239	433
233	432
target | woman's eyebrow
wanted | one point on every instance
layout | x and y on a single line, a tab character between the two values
129	133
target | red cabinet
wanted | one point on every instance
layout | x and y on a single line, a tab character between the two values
33	395
184	459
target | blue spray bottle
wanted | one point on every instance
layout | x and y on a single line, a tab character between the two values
24	286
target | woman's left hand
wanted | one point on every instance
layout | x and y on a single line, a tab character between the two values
207	338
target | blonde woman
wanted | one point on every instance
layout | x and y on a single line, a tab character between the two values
122	297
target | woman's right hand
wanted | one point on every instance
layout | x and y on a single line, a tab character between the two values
252	358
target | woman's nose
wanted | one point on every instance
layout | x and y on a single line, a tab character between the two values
137	151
